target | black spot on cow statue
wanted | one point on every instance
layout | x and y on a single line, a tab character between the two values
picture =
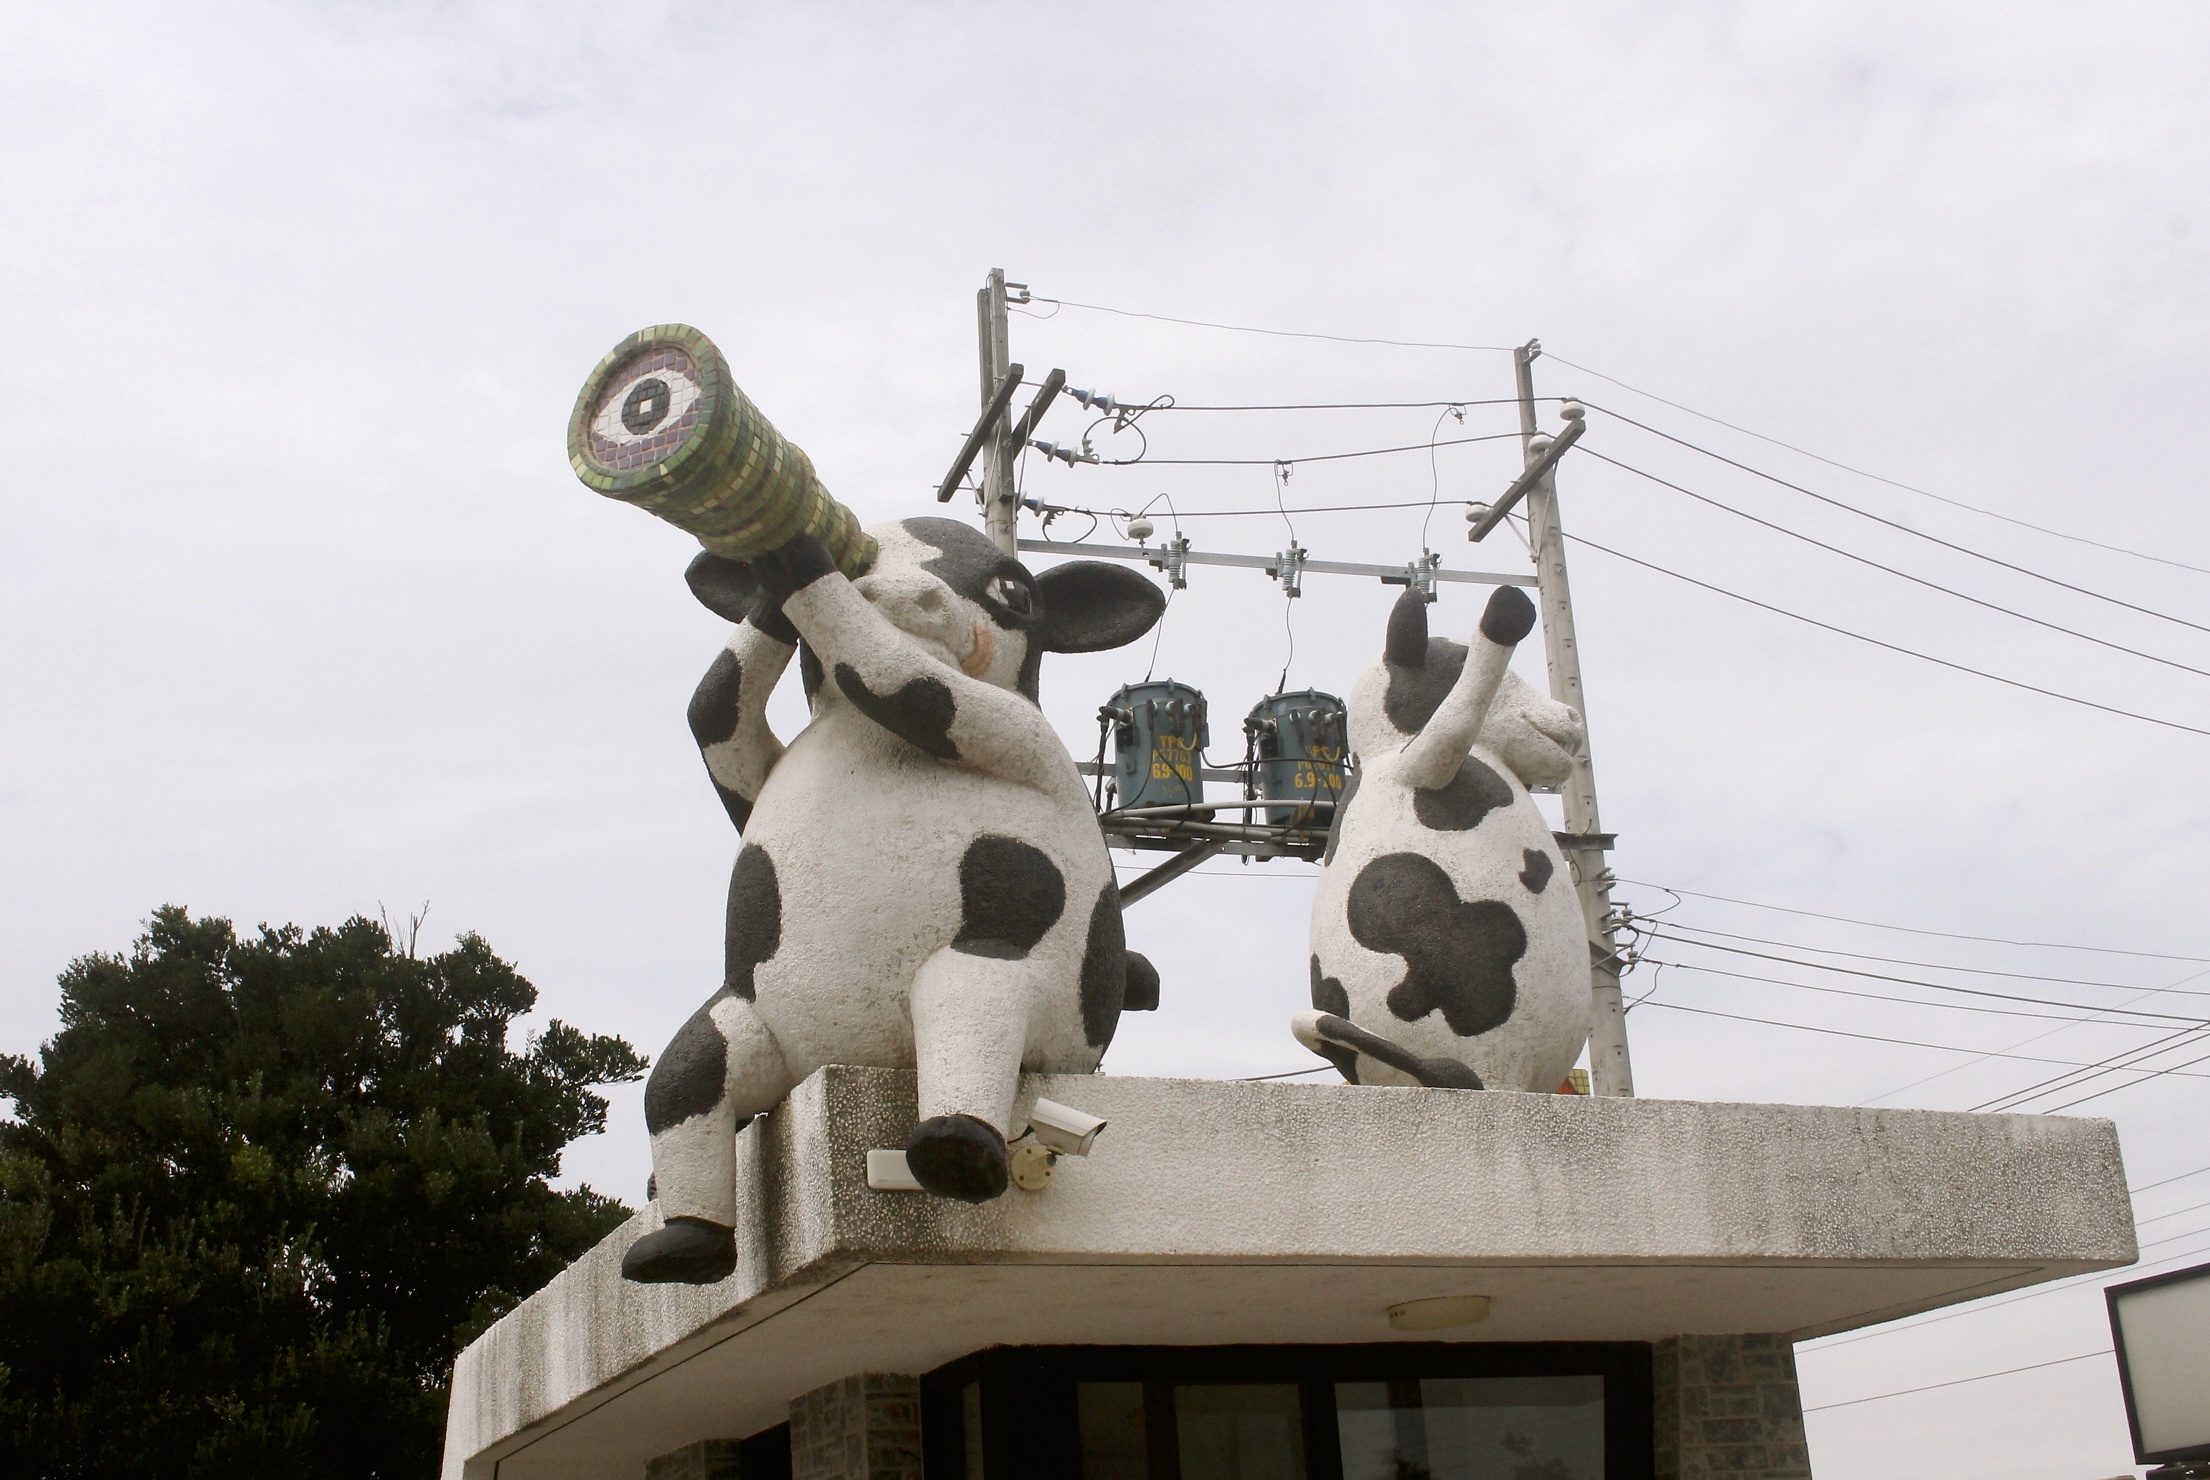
922	880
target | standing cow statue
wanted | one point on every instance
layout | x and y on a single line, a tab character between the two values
922	880
1448	947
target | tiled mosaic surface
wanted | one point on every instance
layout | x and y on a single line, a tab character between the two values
660	426
708	1459
862	1428
635	407
1727	1408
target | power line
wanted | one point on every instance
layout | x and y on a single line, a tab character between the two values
2174	1213
1743	976
2069	981
1878	478
1244	513
1358	405
1992	606
2168	724
1958	1381
1996	940
2122	1062
1904	1042
1614	380
1896	525
1988	1303
1265	462
2166	1182
2113	1089
2036	1038
1909	981
1129	313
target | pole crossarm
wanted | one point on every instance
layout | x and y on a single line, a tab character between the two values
1528	481
991	415
1394	574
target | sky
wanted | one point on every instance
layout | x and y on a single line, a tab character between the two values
304	615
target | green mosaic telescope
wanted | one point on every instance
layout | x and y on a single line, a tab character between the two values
661	425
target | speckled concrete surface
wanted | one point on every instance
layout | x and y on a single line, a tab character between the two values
1224	1211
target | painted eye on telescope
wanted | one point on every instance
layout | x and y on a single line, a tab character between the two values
645	403
1013	596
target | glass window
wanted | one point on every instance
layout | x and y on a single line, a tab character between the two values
1240	1431
1114	1444
1472	1428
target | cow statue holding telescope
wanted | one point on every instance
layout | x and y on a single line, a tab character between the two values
921	880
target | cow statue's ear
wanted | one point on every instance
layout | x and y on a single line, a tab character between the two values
727	588
1090	606
1406	645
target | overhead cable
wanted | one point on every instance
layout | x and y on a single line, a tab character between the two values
2021	1043
1744	976
2126	1061
1985	1304
2014	683
1996	940
1264	462
1362	405
1129	313
1992	606
1938	498
2066	981
2058	1109
1959	1381
1637	390
1897	525
2167	1181
1904	1042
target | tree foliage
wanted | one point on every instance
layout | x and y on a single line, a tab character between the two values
259	1192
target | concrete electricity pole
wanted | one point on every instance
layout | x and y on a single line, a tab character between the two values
1610	1070
1000	511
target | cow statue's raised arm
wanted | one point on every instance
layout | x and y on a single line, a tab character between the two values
922	880
1448	947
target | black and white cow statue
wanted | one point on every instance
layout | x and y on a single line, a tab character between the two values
922	881
1448	947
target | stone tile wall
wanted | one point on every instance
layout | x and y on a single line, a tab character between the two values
1728	1409
862	1428
709	1459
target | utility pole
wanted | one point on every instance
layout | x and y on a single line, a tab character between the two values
1610	1070
1000	512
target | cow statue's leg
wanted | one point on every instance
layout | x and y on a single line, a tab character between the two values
722	1068
970	1029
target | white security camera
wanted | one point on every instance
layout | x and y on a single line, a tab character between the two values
1064	1129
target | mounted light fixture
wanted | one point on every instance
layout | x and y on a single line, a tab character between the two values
2161	1329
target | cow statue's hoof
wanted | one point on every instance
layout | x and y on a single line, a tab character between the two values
689	1251
957	1156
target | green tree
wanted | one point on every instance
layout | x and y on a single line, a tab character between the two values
259	1192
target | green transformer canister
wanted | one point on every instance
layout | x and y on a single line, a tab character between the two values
660	424
1159	740
1298	751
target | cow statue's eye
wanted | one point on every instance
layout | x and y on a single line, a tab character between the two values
1014	596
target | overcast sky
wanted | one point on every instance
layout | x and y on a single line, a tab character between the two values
305	615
